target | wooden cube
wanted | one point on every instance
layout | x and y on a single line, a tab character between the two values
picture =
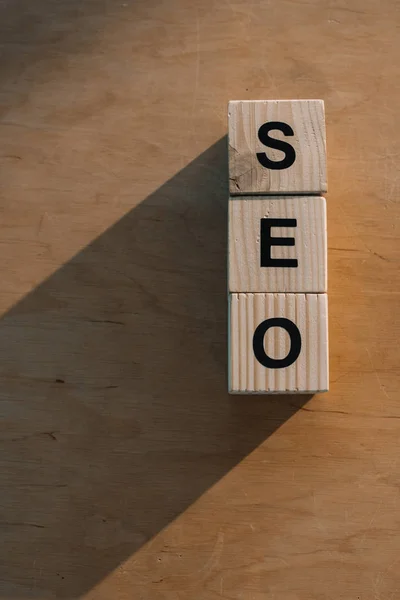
277	244
278	343
277	147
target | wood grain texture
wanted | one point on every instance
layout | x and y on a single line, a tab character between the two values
309	373
127	471
307	174
310	250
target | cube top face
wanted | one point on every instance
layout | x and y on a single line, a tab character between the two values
277	244
278	343
277	147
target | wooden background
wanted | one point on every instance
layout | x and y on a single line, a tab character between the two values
127	471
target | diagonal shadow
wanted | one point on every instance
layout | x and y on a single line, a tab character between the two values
114	370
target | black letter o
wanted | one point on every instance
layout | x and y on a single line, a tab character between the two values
258	343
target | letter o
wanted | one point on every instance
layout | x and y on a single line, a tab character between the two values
295	343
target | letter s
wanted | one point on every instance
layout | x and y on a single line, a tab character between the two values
289	151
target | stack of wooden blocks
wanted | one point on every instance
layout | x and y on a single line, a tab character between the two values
277	255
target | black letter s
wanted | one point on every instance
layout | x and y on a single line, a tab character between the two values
263	136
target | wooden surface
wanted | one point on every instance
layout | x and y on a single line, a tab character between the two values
127	471
245	244
308	373
296	141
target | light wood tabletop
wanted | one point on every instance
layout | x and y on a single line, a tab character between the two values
127	471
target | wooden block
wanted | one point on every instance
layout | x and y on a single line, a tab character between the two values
288	355
277	244
277	147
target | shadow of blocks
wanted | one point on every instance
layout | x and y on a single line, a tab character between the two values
114	390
